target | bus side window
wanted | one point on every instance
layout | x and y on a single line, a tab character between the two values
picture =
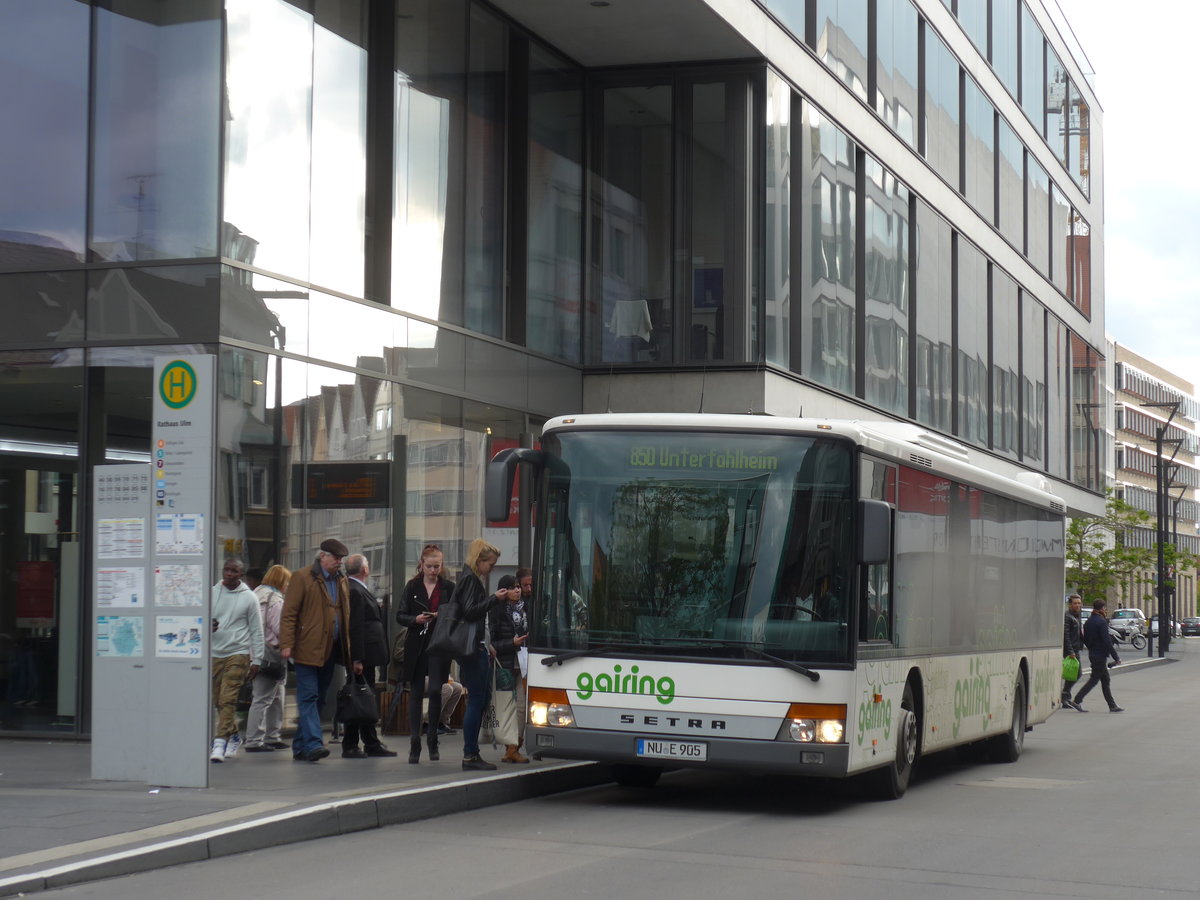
877	482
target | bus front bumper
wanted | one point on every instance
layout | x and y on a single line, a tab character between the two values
813	759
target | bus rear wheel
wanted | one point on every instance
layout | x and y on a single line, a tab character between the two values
1007	747
636	776
890	782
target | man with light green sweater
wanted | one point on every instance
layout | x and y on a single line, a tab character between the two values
236	647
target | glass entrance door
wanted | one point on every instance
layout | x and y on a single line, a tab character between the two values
40	596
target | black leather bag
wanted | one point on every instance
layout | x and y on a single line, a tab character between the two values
356	702
453	636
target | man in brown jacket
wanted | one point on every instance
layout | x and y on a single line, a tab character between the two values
314	634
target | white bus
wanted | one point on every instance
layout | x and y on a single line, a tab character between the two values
826	598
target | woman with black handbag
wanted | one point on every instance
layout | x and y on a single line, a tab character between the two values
423	672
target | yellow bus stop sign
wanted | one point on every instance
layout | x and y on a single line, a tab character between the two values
177	384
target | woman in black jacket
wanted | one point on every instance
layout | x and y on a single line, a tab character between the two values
418	608
508	627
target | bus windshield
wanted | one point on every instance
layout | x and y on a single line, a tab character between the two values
689	543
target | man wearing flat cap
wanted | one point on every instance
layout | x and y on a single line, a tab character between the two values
314	632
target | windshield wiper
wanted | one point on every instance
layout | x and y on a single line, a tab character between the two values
560	658
751	647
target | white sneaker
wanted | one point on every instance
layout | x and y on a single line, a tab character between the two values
218	750
233	745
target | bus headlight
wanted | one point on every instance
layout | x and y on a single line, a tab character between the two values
820	723
549	706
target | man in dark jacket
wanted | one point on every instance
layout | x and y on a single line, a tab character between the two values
1072	643
368	650
1100	648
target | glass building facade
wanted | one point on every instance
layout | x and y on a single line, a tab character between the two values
411	230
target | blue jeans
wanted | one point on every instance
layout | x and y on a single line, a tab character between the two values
312	683
475	671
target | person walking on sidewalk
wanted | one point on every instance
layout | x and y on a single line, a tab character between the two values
236	647
314	632
1100	647
1072	643
368	650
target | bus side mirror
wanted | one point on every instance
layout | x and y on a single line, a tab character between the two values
874	532
497	491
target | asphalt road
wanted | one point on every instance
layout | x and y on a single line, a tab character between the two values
1101	805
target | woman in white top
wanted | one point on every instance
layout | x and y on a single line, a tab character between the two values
265	717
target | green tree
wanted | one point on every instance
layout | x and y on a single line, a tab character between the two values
1101	553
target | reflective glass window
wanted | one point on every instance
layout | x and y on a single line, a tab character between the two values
885	212
934	321
972	315
47	308
1087	415
1060	239
1004	42
484	250
1033	70
1006	363
828	302
1057	89
716	257
1057	375
632	236
1037	216
1081	263
163	303
362	335
897	75
973	17
776	291
264	310
427	205
1010	175
1079	126
554	267
941	108
268	151
790	14
44	140
157	121
339	146
1033	380
841	41
979	151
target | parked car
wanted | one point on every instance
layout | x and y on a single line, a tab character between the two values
1175	629
1127	620
1190	625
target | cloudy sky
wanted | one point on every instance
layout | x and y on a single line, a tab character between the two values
1143	65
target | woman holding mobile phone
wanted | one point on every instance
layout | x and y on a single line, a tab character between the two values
418	608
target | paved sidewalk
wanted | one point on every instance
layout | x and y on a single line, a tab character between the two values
61	827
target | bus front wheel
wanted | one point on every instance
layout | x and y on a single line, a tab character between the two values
890	782
636	776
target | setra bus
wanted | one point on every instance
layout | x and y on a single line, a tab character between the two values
813	597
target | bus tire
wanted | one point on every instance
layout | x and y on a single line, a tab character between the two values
1007	747
636	776
891	781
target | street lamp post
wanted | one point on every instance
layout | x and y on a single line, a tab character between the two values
1164	624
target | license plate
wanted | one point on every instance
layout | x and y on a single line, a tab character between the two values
689	750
